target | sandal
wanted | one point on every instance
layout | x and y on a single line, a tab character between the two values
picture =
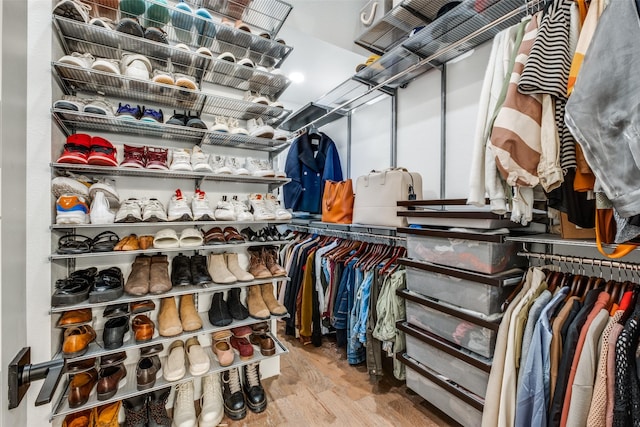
215	236
231	235
74	244
104	242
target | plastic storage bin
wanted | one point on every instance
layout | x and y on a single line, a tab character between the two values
462	406
460	366
473	291
472	333
483	253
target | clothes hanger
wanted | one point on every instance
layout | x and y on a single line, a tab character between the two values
385	251
399	251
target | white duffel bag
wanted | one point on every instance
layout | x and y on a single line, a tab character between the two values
378	192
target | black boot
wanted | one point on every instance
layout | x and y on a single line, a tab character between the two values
199	272
158	416
219	312
255	396
135	410
232	395
180	271
237	310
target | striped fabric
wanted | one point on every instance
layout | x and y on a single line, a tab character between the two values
515	138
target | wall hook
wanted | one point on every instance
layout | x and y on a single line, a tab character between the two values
22	373
372	14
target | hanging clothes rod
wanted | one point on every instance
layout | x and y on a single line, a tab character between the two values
582	261
524	8
351	235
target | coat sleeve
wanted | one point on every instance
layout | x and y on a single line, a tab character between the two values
293	189
332	166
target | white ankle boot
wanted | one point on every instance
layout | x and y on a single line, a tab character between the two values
212	404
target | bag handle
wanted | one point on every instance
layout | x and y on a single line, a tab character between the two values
620	251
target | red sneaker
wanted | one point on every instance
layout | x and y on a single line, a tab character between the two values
76	150
134	157
157	158
102	153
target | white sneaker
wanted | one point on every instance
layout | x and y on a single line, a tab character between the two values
136	66
201	208
181	160
129	211
273	204
84	60
241	209
218	165
280	135
179	208
257	167
107	187
225	211
100	213
256	127
235	165
99	106
174	368
280	174
220	125
73	9
260	210
235	128
61	185
254	97
200	160
70	102
72	209
212	403
184	411
153	211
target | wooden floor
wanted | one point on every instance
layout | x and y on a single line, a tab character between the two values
318	387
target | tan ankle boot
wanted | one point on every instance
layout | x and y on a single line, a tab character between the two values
271	261
138	280
257	308
270	300
188	314
256	265
219	271
168	321
236	270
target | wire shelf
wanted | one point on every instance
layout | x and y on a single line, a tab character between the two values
77	36
128	225
74	78
73	121
130	390
151	173
265	15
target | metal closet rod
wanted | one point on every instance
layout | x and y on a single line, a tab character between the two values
350	235
582	261
525	7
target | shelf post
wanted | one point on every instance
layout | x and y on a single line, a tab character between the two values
394	130
443	130
349	144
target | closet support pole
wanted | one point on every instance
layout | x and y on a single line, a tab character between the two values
394	130
349	144
443	130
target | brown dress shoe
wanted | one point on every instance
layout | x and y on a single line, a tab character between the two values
76	340
159	280
78	419
138	280
112	359
146	372
80	366
75	318
142	306
80	387
151	350
257	266
188	314
169	324
266	344
109	380
143	328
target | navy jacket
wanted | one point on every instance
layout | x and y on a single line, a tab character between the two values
309	170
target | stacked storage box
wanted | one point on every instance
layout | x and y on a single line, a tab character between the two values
456	284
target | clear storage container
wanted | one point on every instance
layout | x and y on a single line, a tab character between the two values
454	401
472	333
482	253
473	291
460	366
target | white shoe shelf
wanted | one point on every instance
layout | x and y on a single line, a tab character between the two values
167	224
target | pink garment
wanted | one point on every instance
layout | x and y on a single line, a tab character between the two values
611	371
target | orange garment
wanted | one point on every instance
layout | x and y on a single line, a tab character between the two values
601	303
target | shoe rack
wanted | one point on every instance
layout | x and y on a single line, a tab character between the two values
210	74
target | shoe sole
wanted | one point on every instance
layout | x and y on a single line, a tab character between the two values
62	300
71	218
184	217
235	415
129	218
257	408
105	296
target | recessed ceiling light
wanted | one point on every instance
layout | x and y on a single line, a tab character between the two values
296	77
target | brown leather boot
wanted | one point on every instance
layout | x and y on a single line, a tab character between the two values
270	300
188	314
257	308
138	280
256	265
159	281
270	258
168	321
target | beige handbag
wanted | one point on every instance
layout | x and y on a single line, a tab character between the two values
378	192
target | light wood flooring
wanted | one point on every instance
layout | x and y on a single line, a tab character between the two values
318	387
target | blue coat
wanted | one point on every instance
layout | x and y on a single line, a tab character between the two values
309	170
